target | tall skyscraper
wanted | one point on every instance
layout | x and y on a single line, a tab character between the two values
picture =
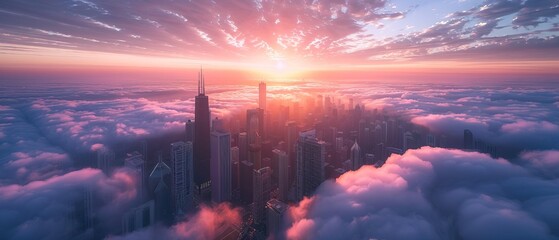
105	159
311	155
262	95
182	189
246	181
280	157
255	155
275	214
430	141
220	166
218	124
468	139
135	161
159	181
292	131
139	217
255	125
408	141
243	146
355	156
202	138
261	190
189	129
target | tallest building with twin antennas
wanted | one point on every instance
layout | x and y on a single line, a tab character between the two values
202	137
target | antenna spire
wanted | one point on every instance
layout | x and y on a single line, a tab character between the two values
201	80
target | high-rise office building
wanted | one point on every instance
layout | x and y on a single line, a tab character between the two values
255	155
234	154
189	130
261	192
276	211
235	168
409	142
430	140
280	158
139	217
468	139
262	95
292	131
159	182
311	155
105	159
220	166
202	138
355	156
135	161
182	169
243	146
218	125
255	125
246	181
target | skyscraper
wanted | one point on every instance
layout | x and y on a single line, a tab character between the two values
105	159
181	161
139	217
280	157
243	146
311	154
292	131
261	190
159	181
355	156
408	141
220	166
201	138
262	95
255	124
189	129
135	161
245	169
275	214
468	139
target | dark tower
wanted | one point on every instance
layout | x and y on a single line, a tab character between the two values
468	139
201	137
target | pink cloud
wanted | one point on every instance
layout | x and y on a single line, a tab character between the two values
523	126
207	223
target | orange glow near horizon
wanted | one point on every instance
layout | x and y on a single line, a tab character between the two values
41	59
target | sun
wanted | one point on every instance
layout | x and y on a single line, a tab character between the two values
280	65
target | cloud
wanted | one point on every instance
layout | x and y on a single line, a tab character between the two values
312	30
207	223
430	193
43	208
45	137
529	126
544	163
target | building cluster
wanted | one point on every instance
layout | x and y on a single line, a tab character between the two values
265	158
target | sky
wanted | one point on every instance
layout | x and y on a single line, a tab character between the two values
283	38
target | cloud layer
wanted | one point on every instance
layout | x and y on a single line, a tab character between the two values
45	128
433	193
42	209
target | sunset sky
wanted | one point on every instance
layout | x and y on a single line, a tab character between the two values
283	38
